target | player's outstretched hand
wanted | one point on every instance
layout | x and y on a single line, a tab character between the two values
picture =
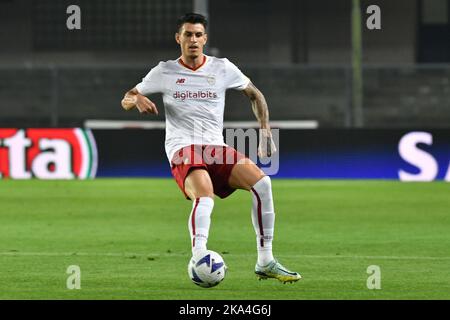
133	100
144	105
266	146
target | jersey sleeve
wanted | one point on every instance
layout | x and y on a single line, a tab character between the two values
234	78
152	83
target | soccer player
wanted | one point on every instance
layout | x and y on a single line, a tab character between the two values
193	88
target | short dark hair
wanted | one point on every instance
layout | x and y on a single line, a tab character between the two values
191	18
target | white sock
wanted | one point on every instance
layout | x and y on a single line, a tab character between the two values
263	218
199	222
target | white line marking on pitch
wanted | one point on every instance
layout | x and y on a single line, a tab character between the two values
172	254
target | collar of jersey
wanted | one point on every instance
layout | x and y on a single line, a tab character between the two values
193	69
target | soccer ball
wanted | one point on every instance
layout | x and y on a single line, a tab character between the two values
207	269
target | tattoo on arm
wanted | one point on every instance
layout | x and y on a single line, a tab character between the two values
259	105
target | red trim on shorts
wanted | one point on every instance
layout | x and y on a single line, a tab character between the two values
193	220
185	160
260	224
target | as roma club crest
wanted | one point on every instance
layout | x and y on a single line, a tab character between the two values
211	79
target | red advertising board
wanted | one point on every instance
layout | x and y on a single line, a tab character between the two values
69	153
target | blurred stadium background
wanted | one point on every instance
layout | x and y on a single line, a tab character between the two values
299	52
317	63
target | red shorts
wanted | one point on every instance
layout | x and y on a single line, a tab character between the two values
217	160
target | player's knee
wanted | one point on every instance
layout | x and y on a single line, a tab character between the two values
200	193
205	190
208	194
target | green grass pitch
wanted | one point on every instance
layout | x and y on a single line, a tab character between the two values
130	239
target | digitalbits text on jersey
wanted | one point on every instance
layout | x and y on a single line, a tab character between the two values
204	95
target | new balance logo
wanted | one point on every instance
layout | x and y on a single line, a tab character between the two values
180	81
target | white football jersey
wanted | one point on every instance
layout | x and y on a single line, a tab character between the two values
194	99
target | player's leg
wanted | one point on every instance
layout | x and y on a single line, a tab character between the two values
199	189
246	175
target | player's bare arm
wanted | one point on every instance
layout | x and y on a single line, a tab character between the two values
261	111
133	99
259	105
